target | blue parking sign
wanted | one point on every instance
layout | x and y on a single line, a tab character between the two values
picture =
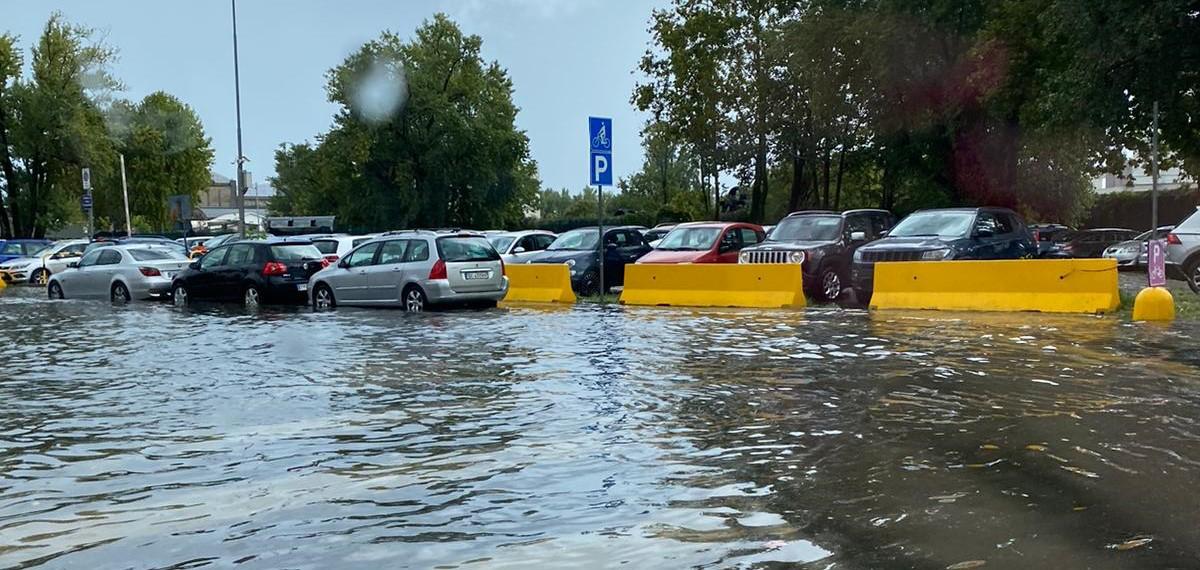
600	155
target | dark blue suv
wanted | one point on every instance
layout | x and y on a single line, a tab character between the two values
952	233
14	248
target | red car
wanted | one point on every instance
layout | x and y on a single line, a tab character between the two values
705	242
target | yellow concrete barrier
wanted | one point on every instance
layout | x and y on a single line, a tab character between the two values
539	283
1045	285
714	285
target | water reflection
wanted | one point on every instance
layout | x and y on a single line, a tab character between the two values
591	437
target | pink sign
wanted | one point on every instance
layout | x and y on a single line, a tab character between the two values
1157	262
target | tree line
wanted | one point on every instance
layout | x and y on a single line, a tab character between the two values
64	115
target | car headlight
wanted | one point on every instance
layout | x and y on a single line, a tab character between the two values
936	254
744	257
796	257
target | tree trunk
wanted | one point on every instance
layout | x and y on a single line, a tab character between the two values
837	193
825	166
10	177
797	194
758	199
816	186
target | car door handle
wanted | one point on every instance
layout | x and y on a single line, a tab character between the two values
397	269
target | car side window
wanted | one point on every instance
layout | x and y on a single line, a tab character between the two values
12	249
73	250
392	252
89	259
241	254
1004	225
362	256
987	222
109	257
879	225
418	250
632	239
214	258
749	236
858	224
542	241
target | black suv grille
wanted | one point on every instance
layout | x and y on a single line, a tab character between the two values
875	256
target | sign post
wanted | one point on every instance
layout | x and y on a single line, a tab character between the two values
85	202
600	169
1156	261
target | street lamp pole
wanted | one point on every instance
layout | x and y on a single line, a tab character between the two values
237	91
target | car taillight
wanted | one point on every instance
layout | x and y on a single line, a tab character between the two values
1037	235
149	271
326	263
438	271
274	268
1173	239
331	258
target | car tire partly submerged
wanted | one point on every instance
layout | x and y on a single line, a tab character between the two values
55	291
179	296
119	293
1191	270
39	277
415	300
830	285
323	299
251	297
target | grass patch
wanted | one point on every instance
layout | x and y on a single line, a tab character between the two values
609	299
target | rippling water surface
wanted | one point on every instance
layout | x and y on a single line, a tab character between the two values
152	437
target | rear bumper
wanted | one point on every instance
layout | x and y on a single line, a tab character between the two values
439	292
150	287
281	291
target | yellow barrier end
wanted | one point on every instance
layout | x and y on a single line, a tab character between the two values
1043	285
767	286
539	283
1154	304
3	283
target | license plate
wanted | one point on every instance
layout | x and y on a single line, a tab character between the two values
168	274
473	275
302	287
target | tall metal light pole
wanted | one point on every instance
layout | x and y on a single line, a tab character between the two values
237	93
1154	174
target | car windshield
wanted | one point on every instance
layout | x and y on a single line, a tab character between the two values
460	249
501	243
934	224
155	254
326	246
576	240
690	239
36	249
807	228
295	252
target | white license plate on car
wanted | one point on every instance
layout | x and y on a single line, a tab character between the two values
302	287
473	275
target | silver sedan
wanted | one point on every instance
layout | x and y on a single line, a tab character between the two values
121	273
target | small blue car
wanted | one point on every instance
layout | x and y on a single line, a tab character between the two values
14	248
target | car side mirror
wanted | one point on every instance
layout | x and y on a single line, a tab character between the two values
519	250
858	236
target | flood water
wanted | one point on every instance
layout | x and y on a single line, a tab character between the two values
153	437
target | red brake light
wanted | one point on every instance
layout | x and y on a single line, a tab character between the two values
1037	235
438	271
1173	239
274	268
325	263
149	271
331	258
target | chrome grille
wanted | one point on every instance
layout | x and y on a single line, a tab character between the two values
766	256
876	256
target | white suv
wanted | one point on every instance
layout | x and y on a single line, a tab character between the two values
49	261
1183	251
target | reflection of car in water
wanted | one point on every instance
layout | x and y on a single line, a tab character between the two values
1183	251
577	249
947	234
119	273
1088	243
705	242
47	262
823	243
1134	252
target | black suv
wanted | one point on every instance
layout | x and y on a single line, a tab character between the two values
823	243
255	272
577	249
951	233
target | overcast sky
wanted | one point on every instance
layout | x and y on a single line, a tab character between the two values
568	59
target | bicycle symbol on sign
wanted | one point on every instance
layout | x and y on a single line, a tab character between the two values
601	138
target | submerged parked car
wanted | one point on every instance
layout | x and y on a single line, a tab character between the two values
119	273
514	247
1088	243
937	235
1183	251
47	262
14	248
255	272
1134	253
577	249
414	270
823	243
705	242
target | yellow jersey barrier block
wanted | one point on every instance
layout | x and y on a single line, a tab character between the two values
714	285
539	283
1044	285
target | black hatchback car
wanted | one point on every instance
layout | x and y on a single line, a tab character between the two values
952	233
1088	243
255	272
577	248
823	243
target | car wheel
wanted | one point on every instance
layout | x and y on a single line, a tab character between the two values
1192	271
119	293
589	285
251	298
179	296
323	298
40	277
829	284
55	291
415	299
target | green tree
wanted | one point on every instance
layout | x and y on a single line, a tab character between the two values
425	136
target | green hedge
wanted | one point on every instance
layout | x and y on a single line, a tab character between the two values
1132	209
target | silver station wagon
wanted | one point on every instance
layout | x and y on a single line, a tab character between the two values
414	270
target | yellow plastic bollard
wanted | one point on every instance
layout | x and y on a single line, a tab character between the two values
1154	304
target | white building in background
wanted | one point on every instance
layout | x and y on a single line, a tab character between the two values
219	202
1139	180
